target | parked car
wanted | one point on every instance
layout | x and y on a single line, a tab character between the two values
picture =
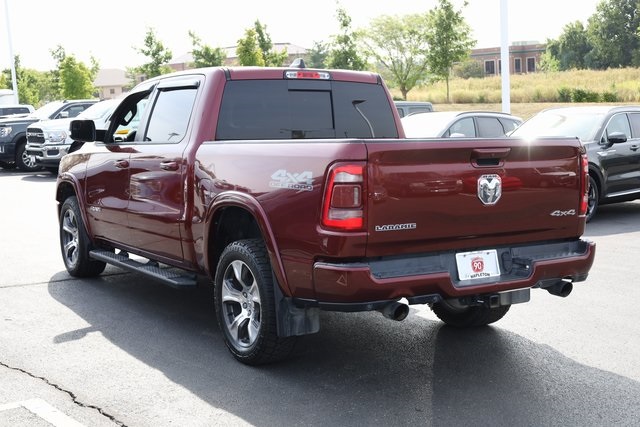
13	131
459	124
611	135
406	108
49	140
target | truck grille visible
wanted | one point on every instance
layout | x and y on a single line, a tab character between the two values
35	135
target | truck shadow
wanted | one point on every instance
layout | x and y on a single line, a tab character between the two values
360	369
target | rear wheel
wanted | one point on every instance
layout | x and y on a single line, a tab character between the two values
75	243
455	314
245	304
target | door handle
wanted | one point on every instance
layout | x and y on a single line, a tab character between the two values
634	147
169	166
121	164
489	157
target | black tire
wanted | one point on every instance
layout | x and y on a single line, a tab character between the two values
74	242
24	162
594	197
454	314
245	304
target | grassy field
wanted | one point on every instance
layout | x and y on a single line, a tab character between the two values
531	93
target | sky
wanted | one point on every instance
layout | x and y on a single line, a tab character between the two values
113	30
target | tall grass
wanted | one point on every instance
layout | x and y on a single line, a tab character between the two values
614	85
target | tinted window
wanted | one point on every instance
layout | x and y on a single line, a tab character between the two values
635	124
285	109
489	127
74	110
619	123
170	115
509	125
463	127
14	110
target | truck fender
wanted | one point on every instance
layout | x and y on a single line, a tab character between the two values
68	185
252	206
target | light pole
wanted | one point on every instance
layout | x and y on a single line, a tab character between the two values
11	59
504	57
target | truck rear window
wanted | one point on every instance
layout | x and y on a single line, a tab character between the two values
284	109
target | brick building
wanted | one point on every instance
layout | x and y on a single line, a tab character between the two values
524	57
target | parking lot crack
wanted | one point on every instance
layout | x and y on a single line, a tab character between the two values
71	394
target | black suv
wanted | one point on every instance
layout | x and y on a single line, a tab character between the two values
13	131
611	135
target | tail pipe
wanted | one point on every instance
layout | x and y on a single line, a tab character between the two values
561	289
395	311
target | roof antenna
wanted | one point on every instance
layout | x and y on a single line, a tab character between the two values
298	63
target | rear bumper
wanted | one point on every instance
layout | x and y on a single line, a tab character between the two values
426	278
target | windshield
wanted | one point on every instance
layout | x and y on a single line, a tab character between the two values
44	112
99	109
581	124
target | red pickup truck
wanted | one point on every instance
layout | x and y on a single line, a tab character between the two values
295	190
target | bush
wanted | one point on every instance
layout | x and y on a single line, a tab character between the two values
564	94
609	97
584	95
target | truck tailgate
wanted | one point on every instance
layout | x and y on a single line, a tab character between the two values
431	195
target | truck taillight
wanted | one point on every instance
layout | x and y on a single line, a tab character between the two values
343	198
584	184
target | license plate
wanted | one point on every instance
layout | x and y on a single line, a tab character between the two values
478	264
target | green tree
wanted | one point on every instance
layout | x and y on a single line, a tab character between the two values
571	48
468	69
272	58
248	49
548	62
613	33
158	56
317	55
400	46
58	54
76	79
205	55
26	80
449	38
343	52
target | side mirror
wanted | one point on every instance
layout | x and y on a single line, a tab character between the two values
83	130
616	138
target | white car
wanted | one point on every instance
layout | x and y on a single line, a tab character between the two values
49	140
459	124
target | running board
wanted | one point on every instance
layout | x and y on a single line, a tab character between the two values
169	276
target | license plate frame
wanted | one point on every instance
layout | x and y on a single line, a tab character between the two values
477	265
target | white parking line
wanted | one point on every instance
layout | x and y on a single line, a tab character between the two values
45	411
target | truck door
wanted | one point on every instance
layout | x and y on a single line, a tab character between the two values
108	174
156	208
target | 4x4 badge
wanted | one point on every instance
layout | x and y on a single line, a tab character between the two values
489	189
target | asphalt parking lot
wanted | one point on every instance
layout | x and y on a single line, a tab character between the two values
119	350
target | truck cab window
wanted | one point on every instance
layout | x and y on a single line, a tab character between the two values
170	115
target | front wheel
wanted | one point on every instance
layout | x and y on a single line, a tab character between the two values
24	161
75	243
245	304
454	314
